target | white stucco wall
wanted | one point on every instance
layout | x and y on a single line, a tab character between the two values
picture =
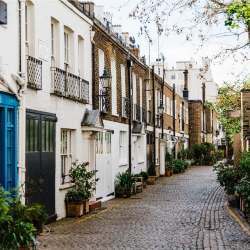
68	112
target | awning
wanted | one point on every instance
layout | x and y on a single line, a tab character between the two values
139	128
92	118
183	139
174	139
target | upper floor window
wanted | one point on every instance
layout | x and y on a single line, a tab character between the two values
181	88
180	76
123	81
114	95
52	40
66	48
168	106
173	75
26	23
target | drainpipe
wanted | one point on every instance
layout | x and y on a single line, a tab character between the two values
129	65
22	92
153	72
174	115
93	62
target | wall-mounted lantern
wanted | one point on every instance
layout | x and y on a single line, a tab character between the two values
160	109
105	79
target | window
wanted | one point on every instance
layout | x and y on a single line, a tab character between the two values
164	103
187	116
181	112
26	23
122	147
52	39
134	88
168	106
66	151
114	97
181	88
175	109
32	132
171	107
103	143
66	49
123	83
173	75
80	57
201	121
159	71
180	76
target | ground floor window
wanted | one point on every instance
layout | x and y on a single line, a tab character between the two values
103	143
122	147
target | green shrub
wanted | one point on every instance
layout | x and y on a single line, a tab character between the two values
124	180
168	156
220	153
178	165
243	190
144	175
182	154
151	169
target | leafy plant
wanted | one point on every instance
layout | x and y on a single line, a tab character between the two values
168	156
220	153
144	175
243	191
182	154
178	165
124	180
151	169
76	195
83	179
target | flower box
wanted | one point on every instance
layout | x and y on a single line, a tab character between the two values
74	209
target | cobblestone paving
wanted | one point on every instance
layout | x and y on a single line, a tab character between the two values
184	212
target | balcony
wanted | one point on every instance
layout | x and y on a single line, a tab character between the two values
149	117
34	73
104	101
125	107
143	114
137	113
70	86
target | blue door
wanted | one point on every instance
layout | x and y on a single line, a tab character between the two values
8	140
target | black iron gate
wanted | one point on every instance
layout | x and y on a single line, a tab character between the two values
40	156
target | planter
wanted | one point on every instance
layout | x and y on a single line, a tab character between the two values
122	192
197	164
231	199
151	180
168	173
86	206
39	226
144	183
171	172
74	209
210	163
23	248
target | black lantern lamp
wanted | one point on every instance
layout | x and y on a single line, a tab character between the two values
105	79
160	109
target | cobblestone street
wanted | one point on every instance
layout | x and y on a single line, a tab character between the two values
186	211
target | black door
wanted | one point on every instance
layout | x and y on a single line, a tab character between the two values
40	157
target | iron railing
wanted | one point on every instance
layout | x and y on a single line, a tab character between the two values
69	86
104	101
34	73
137	113
143	115
83	7
125	107
149	117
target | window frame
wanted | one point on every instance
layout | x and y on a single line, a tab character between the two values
173	76
52	39
66	48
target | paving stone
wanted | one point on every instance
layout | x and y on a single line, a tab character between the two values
185	212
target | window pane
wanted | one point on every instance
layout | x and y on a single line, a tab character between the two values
9	155
51	137
63	158
9	115
27	135
43	136
9	172
47	136
36	135
9	137
69	142
31	135
9	185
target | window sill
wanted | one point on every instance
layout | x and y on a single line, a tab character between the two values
115	115
65	186
122	164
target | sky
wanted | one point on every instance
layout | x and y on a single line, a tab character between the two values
174	47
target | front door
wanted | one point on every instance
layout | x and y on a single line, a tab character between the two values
40	157
104	165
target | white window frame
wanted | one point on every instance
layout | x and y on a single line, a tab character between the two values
114	90
66	151
181	112
66	47
171	108
168	106
175	109
164	103
122	148
104	146
201	121
173	75
180	74
187	116
52	39
26	24
123	81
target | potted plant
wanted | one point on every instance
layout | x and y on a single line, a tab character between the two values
85	184
220	154
145	179
123	184
151	174
178	166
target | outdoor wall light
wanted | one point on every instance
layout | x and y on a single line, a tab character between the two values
160	109
105	79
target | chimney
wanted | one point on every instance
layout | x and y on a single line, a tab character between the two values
185	91
143	59
88	8
135	51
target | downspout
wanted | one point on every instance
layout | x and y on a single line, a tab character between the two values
174	114
93	62
153	72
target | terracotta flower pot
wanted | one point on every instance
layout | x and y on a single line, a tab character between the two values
210	163
168	173
144	183
151	180
74	209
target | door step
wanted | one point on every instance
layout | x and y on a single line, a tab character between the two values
94	204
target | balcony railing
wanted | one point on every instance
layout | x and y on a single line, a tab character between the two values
143	114
125	107
137	113
158	121
69	86
34	73
149	117
104	101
